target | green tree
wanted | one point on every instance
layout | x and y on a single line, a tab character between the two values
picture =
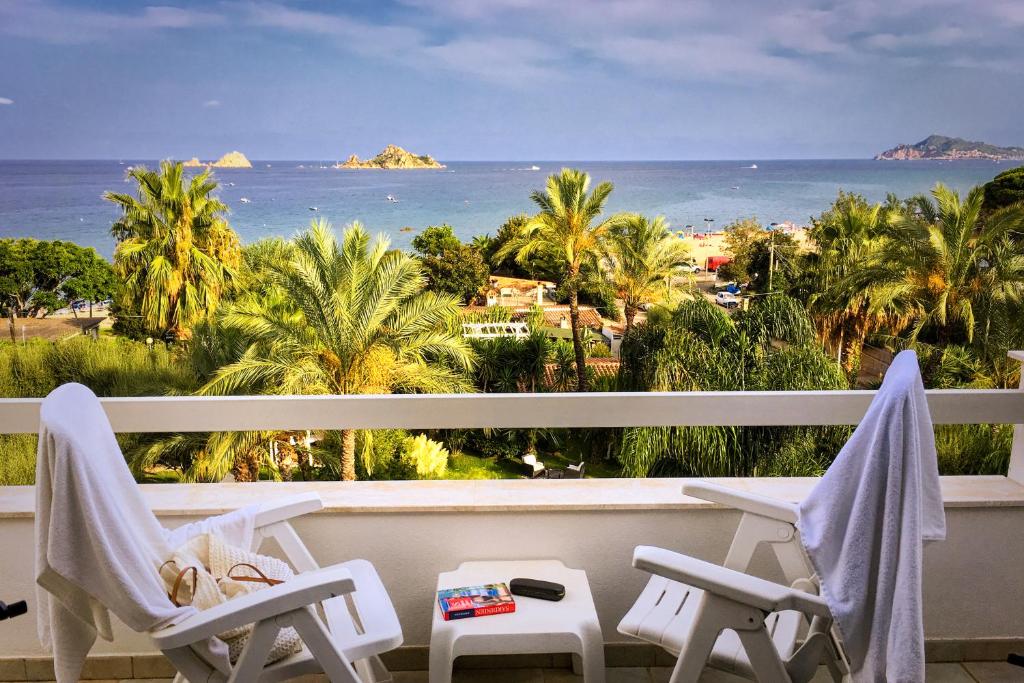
642	257
774	263
1006	189
701	348
450	266
175	252
939	271
847	238
436	239
741	239
569	230
352	318
38	277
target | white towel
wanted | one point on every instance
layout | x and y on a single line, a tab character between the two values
98	545
865	523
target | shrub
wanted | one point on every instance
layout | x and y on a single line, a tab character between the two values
424	458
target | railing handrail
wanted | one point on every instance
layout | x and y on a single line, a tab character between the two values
554	410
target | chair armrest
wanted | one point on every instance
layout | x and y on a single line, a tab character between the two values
280	509
304	589
727	583
742	500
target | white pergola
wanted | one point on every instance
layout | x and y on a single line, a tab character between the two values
495	330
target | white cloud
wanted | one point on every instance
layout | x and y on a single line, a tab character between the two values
59	23
512	60
211	104
6	100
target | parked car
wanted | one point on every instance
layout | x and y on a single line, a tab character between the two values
727	299
689	268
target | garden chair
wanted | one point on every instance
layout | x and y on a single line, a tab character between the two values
720	616
342	613
534	467
575	471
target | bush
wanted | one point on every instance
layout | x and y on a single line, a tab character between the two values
424	458
379	452
108	366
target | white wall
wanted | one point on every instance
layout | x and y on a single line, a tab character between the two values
973	587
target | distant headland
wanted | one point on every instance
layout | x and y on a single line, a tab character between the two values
229	160
393	156
942	147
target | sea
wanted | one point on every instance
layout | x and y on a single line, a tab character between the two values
63	199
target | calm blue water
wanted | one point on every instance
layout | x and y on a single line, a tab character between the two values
62	200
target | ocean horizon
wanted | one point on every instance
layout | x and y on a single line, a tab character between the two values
62	199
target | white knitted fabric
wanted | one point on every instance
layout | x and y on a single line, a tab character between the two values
214	559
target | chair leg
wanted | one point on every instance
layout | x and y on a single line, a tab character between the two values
764	658
703	633
372	670
318	639
254	655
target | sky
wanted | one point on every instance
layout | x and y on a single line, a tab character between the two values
506	79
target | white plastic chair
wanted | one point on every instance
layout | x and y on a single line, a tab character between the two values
715	615
534	466
342	613
359	620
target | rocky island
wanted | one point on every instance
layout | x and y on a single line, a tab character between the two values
942	147
229	160
392	156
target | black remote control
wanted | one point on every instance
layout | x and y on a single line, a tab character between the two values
535	588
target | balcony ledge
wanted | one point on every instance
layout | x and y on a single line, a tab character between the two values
515	495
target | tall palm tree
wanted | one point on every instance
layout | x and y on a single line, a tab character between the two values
350	318
175	252
642	257
848	236
937	269
568	229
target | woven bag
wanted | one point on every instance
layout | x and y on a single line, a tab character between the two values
207	572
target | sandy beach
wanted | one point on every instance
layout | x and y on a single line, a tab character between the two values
704	246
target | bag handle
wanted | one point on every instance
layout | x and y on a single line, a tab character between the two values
262	578
177	581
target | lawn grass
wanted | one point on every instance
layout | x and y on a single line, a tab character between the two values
473	466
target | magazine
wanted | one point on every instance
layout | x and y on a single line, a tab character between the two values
475	601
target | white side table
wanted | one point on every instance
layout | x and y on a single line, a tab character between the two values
537	626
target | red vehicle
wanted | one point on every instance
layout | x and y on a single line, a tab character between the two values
714	262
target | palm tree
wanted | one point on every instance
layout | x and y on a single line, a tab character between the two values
568	230
176	254
940	269
847	235
352	318
642	257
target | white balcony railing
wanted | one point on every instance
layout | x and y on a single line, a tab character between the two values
412	530
555	410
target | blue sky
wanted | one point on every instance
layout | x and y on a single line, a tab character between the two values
506	79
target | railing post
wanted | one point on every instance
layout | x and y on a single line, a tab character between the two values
1016	470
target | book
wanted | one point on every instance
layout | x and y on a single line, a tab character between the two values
475	601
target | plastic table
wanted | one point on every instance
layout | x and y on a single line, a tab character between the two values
537	626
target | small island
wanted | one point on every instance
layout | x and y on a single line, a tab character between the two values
393	156
947	148
229	160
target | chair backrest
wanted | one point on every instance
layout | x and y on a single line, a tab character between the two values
85	491
530	459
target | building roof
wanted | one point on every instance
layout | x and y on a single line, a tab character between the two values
600	367
566	333
522	284
589	317
50	329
